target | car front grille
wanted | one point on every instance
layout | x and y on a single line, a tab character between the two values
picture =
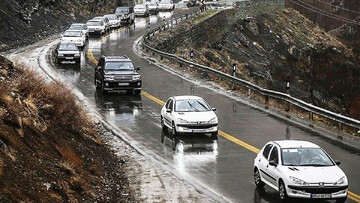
197	126
68	55
122	78
318	189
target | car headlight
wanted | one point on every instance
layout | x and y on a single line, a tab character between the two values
213	120
109	77
297	181
341	181
60	54
182	120
136	77
77	54
79	40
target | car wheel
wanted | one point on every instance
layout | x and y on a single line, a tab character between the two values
174	130
163	126
102	88
282	191
341	200
214	134
137	92
97	86
257	179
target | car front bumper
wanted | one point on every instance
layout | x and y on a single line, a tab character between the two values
325	192
195	128
68	58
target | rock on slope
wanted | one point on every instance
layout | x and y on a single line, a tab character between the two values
49	149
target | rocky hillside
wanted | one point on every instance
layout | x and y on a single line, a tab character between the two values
49	148
270	47
24	22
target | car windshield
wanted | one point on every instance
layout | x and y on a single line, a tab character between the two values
68	47
116	65
77	27
111	17
122	10
305	157
191	105
93	23
165	2
140	7
72	34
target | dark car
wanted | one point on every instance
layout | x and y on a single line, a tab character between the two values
67	52
117	73
126	14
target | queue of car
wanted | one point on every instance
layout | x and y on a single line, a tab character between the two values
293	168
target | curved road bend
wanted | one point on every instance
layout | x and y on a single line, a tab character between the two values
224	166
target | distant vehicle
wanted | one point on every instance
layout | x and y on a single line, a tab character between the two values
67	52
105	20
299	169
117	73
114	20
74	36
126	14
153	7
141	10
80	26
189	114
96	27
166	5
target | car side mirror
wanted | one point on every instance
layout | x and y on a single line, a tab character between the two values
214	109
61	35
98	68
138	68
273	163
168	110
337	162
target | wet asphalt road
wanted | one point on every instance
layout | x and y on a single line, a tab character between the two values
221	165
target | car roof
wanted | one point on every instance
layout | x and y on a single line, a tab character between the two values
295	144
95	20
78	24
140	5
186	97
116	58
73	31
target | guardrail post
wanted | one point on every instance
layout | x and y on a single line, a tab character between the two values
172	22
234	69
339	126
266	102
288	87
191	54
311	115
149	25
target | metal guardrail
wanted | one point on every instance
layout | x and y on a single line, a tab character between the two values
312	109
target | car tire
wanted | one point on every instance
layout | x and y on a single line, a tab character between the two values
282	192
215	134
163	126
137	92
97	86
341	200
174	130
257	179
102	88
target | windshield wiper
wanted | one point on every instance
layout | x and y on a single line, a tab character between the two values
314	165
202	105
192	106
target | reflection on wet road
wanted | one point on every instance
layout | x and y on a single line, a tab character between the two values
221	165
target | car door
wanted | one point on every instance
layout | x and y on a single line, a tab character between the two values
273	171
263	161
169	115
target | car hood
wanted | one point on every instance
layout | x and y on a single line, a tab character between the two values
94	26
312	174
120	72
195	116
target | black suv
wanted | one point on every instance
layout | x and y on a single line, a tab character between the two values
117	73
126	14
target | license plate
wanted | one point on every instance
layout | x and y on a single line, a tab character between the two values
69	57
199	131
123	84
320	196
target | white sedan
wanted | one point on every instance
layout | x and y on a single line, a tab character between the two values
74	36
189	114
300	169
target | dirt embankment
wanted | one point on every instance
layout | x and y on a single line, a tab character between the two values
271	45
49	148
24	22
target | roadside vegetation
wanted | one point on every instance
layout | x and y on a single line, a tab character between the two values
49	148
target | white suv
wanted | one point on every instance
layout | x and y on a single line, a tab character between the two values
189	114
299	169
